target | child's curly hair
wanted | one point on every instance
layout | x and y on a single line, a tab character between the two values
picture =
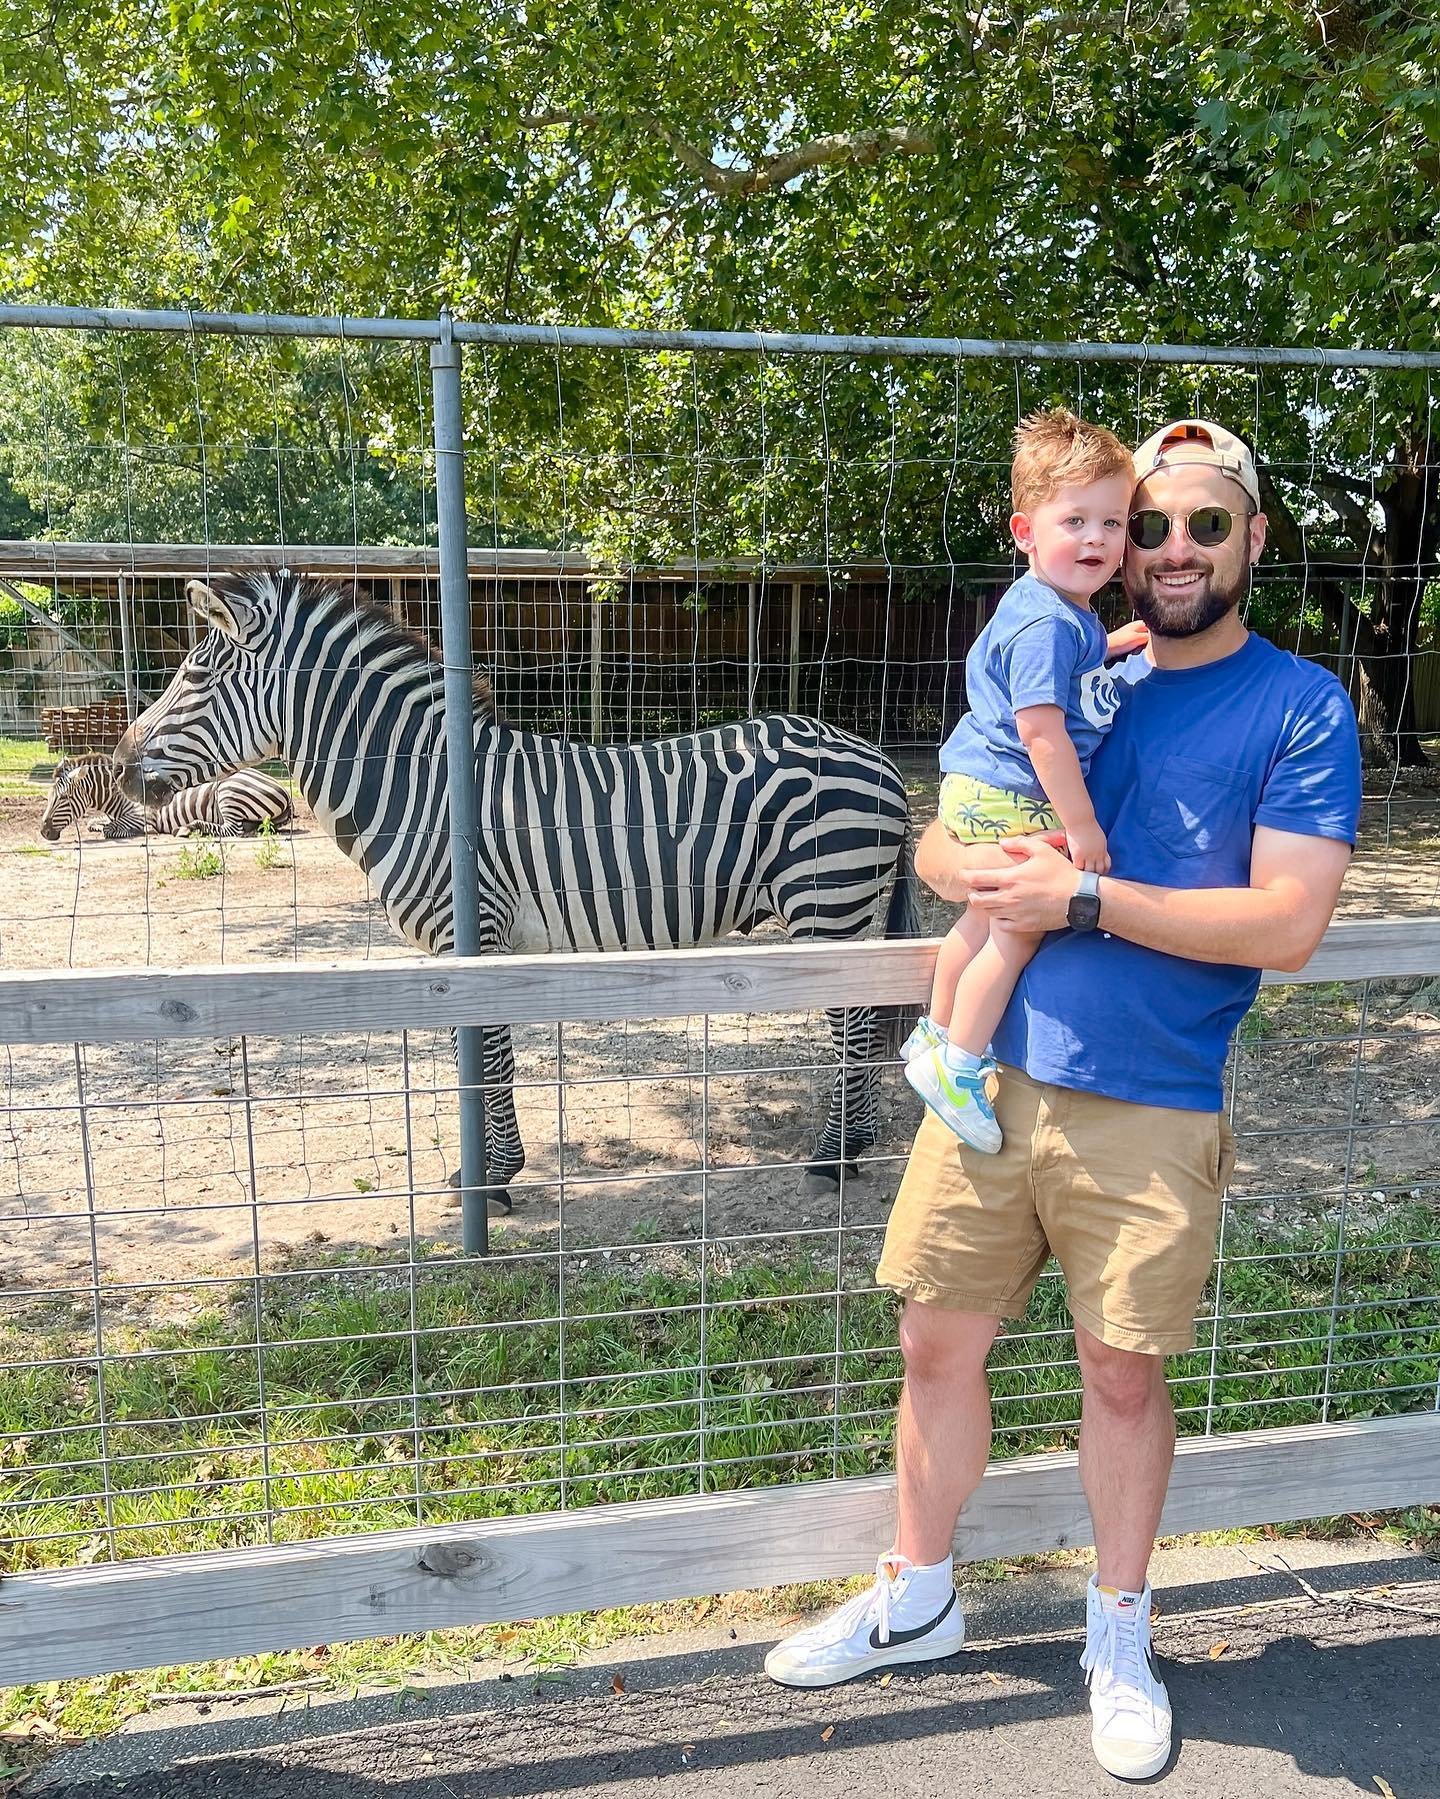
1054	449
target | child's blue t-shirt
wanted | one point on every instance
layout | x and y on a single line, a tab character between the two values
1038	650
1198	757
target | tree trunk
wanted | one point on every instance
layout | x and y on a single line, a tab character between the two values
1387	679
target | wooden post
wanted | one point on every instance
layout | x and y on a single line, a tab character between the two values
127	650
794	703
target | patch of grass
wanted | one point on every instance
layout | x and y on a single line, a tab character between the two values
798	1386
31	849
199	860
815	1398
25	764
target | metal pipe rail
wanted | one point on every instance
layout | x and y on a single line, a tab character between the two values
771	343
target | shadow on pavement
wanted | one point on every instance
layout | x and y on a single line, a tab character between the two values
1277	1717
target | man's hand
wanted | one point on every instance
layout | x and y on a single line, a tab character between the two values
1033	893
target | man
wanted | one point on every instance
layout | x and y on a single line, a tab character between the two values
1229	790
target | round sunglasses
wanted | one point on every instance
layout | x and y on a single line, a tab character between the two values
1206	526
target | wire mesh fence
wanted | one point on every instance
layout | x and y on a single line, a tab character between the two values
236	1308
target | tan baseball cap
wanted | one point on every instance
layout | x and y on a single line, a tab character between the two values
1197	440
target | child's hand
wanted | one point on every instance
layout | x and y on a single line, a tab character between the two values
1088	849
1127	639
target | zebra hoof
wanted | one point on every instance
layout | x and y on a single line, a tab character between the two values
498	1203
824	1177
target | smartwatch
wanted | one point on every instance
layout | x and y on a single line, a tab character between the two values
1084	909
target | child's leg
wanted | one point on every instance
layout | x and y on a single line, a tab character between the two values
965	938
961	943
985	986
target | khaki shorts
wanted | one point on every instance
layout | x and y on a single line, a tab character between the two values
1127	1198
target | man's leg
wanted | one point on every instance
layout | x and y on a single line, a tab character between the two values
943	1432
1127	1445
912	1612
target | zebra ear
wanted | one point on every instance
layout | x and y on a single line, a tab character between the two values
226	612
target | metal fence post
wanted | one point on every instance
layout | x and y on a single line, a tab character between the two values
456	645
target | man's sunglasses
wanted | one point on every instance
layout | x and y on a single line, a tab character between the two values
1206	526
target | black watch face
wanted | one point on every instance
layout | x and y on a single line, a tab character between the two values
1084	911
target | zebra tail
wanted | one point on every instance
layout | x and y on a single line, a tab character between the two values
902	919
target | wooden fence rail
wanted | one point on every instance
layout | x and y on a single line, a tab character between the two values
114	1005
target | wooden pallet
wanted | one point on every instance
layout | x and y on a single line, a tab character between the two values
70	730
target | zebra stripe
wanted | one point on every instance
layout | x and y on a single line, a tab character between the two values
581	847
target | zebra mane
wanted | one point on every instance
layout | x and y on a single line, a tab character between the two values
377	626
87	759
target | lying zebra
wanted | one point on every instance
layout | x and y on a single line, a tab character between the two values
232	806
646	846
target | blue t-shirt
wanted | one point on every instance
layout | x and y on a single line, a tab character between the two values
1198	757
1038	650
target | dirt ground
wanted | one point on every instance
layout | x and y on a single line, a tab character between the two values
189	1181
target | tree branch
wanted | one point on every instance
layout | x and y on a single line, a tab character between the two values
854	148
540	121
1349	510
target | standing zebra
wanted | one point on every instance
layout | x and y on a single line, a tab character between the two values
232	806
651	846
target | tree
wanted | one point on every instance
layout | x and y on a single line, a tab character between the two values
1206	172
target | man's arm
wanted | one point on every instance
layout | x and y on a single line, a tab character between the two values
1276	922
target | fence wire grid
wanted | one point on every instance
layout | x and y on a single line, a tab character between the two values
235	1308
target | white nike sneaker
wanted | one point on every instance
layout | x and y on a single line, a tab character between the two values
875	1629
1129	1707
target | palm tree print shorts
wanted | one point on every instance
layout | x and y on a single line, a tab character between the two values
974	812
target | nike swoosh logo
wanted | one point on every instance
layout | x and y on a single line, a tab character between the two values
909	1636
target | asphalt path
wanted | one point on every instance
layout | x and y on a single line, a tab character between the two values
1297	1696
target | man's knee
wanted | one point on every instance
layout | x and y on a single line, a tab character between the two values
1123	1381
943	1345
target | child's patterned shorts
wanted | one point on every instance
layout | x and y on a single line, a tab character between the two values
974	812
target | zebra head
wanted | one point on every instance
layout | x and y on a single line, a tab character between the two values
82	785
223	708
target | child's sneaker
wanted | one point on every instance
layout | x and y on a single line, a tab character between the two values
957	1098
875	1629
926	1035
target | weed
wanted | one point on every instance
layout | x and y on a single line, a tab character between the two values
199	860
268	855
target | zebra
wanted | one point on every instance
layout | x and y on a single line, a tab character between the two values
654	845
233	805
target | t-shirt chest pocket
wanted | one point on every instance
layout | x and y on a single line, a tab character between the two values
1193	805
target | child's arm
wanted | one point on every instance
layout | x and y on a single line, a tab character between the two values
1057	769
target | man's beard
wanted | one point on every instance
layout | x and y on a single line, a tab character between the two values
1188	617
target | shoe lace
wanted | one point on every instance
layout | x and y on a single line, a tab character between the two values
874	1603
1114	1662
